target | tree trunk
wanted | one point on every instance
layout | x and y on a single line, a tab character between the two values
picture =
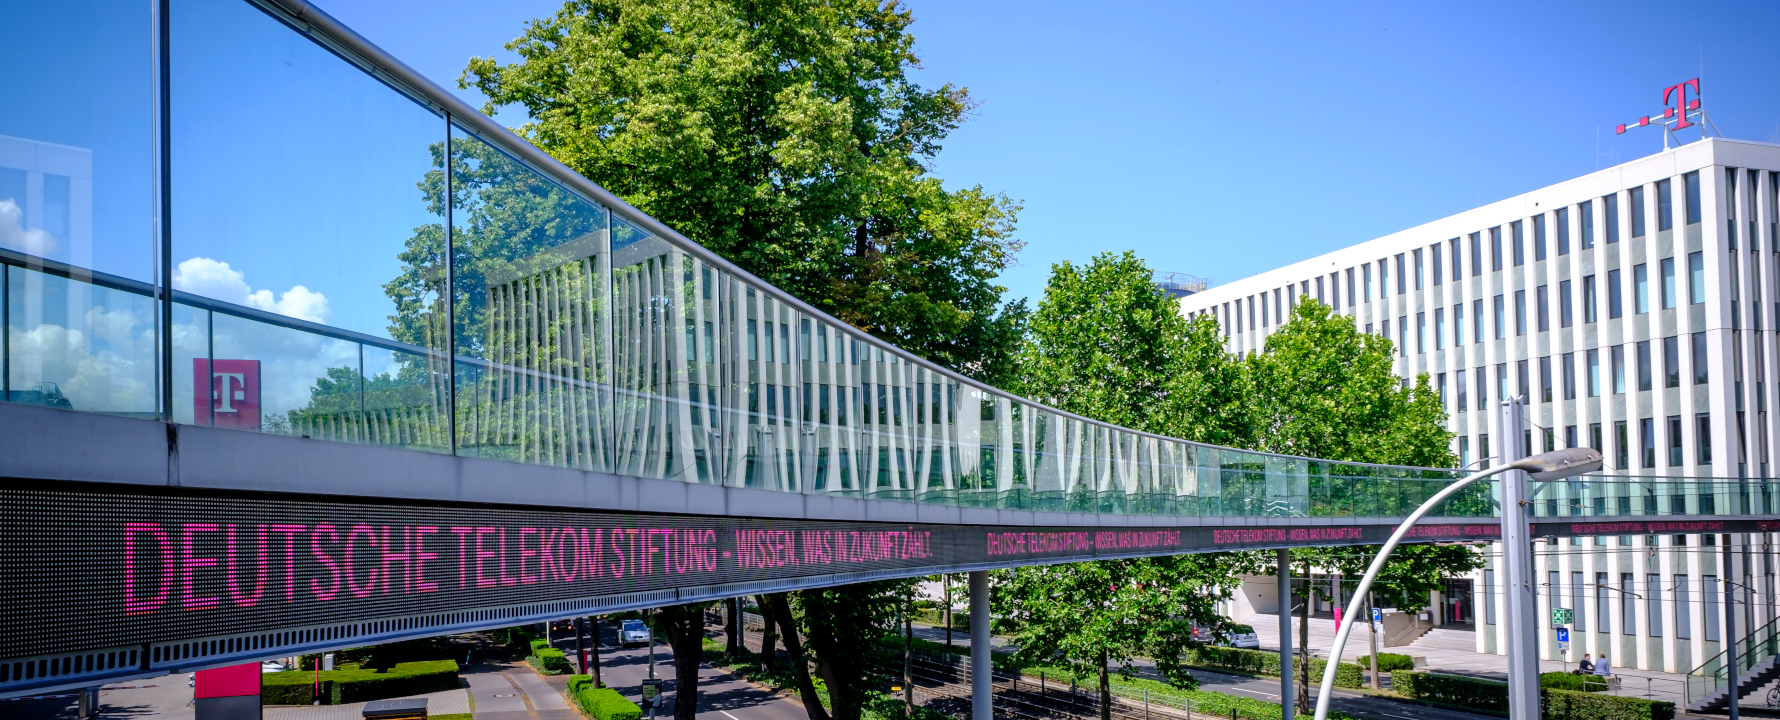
1304	642
1105	690
945	581
800	666
685	625
768	634
593	624
908	675
734	628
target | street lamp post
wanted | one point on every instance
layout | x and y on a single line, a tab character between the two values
1555	465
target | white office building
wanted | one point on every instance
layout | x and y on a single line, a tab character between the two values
1634	308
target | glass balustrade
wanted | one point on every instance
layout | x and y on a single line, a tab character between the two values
348	261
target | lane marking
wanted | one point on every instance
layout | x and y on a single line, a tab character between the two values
731	717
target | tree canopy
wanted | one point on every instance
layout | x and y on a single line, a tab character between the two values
788	138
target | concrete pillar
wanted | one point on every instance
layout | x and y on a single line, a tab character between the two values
1287	696
982	695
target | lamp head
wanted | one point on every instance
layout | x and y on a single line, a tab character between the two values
1560	464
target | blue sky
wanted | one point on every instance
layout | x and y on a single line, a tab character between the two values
1225	139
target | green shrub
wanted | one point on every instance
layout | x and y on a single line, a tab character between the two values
1567	705
1388	662
601	703
1347	675
1576	683
549	661
353	684
1452	690
1559	704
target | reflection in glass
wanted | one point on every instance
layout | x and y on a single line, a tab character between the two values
530	319
75	345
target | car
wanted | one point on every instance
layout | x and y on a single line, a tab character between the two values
1241	636
272	666
632	633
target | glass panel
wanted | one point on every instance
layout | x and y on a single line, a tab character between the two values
79	346
530	317
77	173
309	198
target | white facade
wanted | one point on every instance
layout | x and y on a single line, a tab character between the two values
1557	294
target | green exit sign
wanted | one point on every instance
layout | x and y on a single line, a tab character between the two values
1560	616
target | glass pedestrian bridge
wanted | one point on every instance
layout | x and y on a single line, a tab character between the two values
240	214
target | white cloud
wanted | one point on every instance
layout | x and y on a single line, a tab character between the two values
14	235
106	366
215	279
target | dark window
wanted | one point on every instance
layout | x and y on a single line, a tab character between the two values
1647	441
1419	272
1563	223
1588	298
1637	201
1439	277
1459	385
1628	605
1489	593
1618	363
1520	312
1453	246
1671	361
1545	379
1666	276
1402	281
1421	333
1350	287
1568	361
1691	186
1264	310
1644	365
1709	596
1538	237
1665	212
1565	316
1477	320
1653	601
1696	279
1518	240
1458	325
1700	366
1576	596
1483	399
1702	441
1403	336
1674	440
1586	213
1501	319
1496	248
1610	208
1525	382
1542	302
1615	305
1640	289
1366	281
1622	445
1476	254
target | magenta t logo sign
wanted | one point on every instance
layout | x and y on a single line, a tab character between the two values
1681	105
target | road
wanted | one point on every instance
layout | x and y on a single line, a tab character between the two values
722	696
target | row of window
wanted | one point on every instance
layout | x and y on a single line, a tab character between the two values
1264	311
1628	594
1618	380
1646	449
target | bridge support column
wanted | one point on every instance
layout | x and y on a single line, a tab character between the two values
1517	561
982	695
1287	695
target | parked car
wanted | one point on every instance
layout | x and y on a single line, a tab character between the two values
272	666
633	633
1236	636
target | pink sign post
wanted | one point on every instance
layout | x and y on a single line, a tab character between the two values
233	397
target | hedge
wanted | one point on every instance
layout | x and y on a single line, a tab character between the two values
1558	704
1388	662
549	661
601	703
1347	675
351	684
1577	683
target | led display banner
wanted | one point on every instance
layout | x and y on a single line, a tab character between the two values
134	566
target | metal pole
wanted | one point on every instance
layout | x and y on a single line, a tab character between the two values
1517	555
1287	696
1730	627
981	691
651	651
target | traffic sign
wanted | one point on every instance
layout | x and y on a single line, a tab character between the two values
1377	620
1563	639
1560	616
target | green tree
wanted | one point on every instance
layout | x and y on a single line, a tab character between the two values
1090	616
843	624
788	138
1106	343
684	626
1323	389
